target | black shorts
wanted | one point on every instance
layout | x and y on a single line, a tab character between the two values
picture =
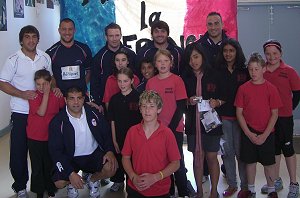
252	153
88	163
210	143
284	136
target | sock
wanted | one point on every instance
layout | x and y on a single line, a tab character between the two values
251	187
271	189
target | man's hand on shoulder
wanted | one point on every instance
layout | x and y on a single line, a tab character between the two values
98	107
28	95
110	158
57	92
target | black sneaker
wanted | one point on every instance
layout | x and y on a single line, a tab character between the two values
190	189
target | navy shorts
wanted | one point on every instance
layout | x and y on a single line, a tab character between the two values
88	163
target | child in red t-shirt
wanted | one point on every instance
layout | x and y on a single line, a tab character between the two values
41	111
257	102
150	154
287	81
121	60
172	90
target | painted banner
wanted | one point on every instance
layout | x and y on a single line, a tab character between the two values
186	18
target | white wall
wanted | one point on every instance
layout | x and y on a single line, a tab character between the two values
45	20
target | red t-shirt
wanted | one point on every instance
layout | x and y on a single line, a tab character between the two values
151	155
257	101
37	126
170	90
112	88
286	79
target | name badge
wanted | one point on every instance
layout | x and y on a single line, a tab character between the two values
70	72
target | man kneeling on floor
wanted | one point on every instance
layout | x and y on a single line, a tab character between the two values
79	139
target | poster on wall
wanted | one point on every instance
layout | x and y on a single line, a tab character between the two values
3	16
19	8
40	1
50	4
30	3
56	2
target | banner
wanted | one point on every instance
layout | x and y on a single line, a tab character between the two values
186	18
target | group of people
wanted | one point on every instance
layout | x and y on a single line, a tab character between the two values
130	124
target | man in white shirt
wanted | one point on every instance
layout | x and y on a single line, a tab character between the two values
16	79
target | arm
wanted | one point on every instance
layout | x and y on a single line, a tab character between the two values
9	89
177	114
95	82
44	104
272	121
87	76
55	89
106	106
296	98
243	124
114	139
147	179
61	160
110	158
127	165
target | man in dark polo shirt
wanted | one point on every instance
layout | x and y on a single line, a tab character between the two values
71	59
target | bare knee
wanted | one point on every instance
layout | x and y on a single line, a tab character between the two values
212	158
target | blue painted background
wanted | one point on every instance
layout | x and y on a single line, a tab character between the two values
90	19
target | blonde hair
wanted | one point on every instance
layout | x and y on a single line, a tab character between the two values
164	52
255	57
151	96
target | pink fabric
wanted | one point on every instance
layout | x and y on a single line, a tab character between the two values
197	11
198	148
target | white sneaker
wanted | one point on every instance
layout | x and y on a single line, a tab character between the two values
72	192
117	187
22	194
293	190
94	187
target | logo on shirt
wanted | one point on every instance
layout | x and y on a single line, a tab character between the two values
94	122
283	74
59	167
241	78
211	87
70	72
169	90
133	106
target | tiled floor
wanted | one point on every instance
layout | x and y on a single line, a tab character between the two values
6	179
